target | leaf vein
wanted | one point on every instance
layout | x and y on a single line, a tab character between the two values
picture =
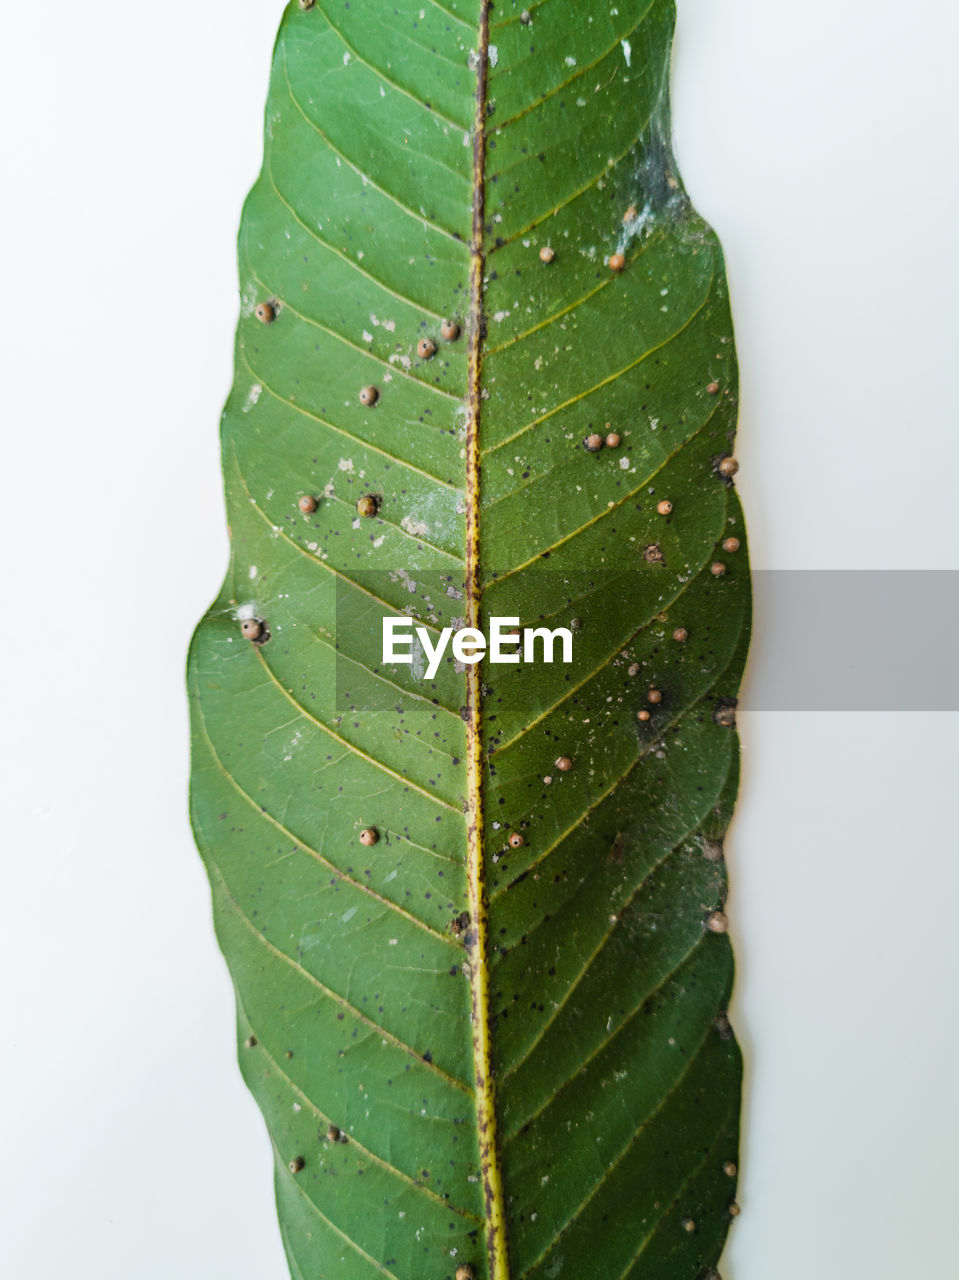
591	675
413	213
590	961
579	72
326	991
612	1167
347	342
606	283
366	890
313	559
321	1115
604	795
604	382
347	435
350	262
360	754
381	75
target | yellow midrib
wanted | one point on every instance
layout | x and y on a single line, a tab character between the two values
491	1175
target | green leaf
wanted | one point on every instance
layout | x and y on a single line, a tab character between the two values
510	1055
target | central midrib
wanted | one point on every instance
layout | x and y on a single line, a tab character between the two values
478	934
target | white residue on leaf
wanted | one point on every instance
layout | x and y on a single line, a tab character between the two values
345	464
244	612
419	528
418	654
367	337
627	52
637	226
493	55
346	58
500	316
252	396
378	542
253	571
405	361
624	464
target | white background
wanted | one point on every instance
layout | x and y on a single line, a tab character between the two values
820	140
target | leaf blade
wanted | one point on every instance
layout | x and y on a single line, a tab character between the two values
580	1007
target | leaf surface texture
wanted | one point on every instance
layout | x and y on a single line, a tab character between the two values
515	1058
